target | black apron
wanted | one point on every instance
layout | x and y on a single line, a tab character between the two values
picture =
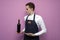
31	27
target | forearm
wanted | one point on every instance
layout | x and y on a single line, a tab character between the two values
40	32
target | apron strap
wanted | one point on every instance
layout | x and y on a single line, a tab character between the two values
34	17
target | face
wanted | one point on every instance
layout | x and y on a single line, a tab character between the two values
28	10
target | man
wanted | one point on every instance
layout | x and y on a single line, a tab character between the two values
32	23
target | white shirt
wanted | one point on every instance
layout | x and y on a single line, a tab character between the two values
39	21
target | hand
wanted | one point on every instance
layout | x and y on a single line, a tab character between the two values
30	34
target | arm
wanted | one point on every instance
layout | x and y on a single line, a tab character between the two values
22	31
42	25
24	28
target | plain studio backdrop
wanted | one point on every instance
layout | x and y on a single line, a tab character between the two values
12	10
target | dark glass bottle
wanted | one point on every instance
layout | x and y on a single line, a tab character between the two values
18	26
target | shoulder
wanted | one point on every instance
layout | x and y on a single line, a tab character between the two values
39	19
25	17
38	16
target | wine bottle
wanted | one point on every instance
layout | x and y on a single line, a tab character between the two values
18	26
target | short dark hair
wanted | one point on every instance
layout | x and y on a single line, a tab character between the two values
31	5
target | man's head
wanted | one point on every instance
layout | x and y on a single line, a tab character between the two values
30	7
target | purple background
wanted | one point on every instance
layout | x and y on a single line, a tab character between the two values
12	10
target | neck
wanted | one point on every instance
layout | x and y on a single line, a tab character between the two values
31	13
